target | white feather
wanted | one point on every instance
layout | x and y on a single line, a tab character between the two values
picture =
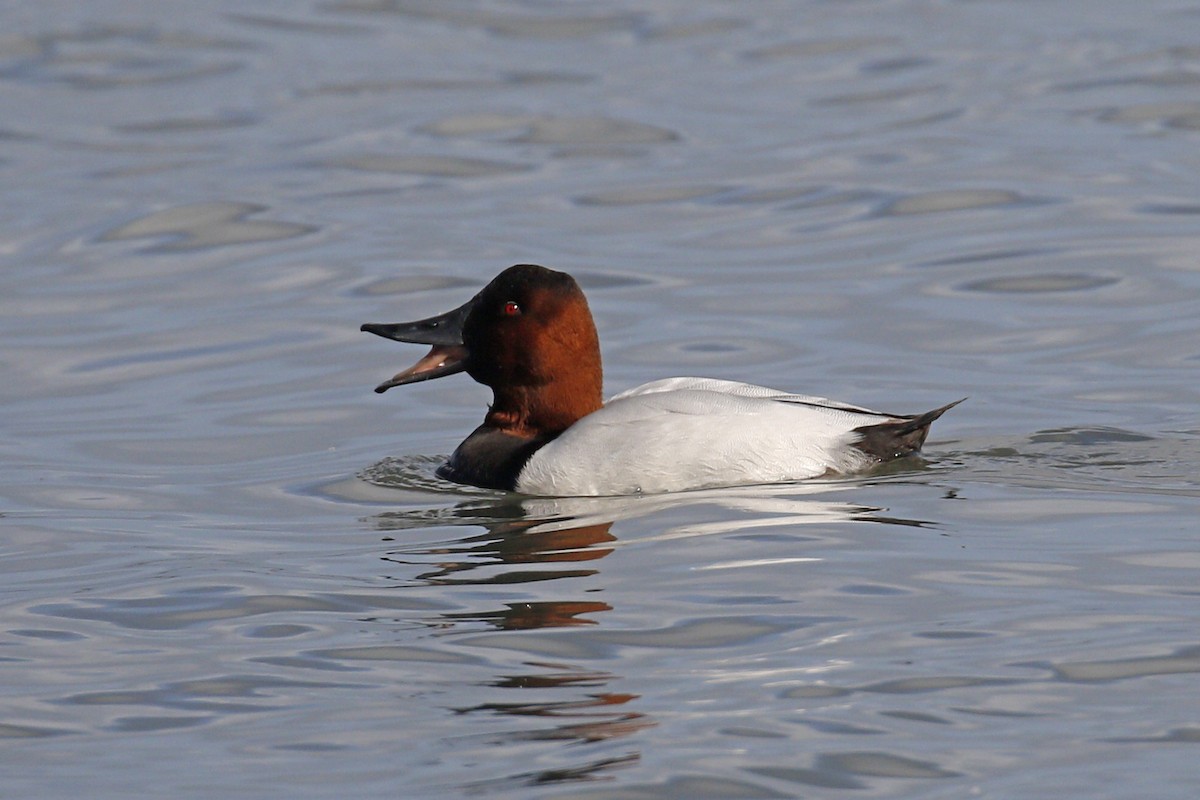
689	433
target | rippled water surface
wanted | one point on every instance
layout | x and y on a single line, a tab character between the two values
229	570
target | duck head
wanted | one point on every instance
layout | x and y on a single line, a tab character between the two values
528	335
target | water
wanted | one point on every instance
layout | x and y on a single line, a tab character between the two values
228	568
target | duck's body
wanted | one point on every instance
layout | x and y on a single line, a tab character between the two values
686	433
529	335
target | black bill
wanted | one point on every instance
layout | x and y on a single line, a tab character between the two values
445	332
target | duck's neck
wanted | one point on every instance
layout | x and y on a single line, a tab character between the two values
543	411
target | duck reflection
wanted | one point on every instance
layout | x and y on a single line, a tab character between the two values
553	547
511	543
530	616
527	540
593	718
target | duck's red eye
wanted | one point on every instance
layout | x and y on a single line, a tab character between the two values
511	309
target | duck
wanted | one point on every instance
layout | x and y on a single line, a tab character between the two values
529	336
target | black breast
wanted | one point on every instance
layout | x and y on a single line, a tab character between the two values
490	458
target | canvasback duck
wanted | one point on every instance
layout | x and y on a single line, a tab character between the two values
529	336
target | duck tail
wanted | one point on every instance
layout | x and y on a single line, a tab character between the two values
898	437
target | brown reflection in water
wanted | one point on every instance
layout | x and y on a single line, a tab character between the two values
588	771
592	718
564	703
550	702
568	676
529	616
588	718
511	542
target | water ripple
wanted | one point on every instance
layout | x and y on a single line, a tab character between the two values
106	57
555	130
202	225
